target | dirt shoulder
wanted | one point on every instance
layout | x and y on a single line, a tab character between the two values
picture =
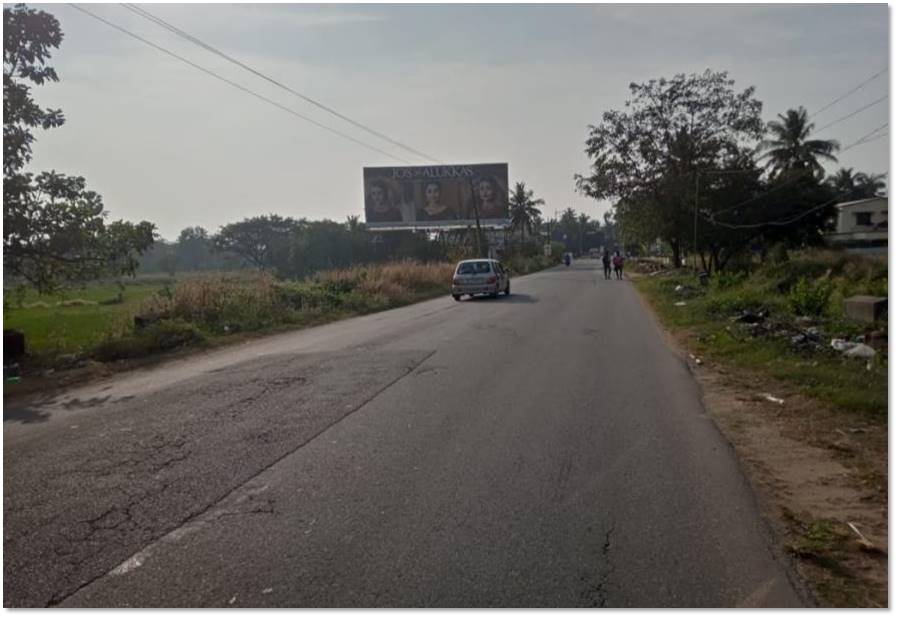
820	475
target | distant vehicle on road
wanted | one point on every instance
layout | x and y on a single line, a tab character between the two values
568	258
480	276
595	253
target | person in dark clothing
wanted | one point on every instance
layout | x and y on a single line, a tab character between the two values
618	265
605	259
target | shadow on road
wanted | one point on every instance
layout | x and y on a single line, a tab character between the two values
514	298
34	411
24	415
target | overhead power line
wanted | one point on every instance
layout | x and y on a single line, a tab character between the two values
862	140
866	141
850	115
240	87
784	223
196	41
849	92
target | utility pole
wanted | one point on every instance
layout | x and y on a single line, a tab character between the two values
694	246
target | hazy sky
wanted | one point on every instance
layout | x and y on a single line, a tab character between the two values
518	83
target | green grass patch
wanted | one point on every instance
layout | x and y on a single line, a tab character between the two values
74	321
846	383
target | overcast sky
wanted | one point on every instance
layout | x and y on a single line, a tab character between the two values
164	142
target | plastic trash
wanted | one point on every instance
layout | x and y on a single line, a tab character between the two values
860	351
680	303
839	344
773	399
852	350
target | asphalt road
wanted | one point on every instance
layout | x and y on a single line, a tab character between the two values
542	450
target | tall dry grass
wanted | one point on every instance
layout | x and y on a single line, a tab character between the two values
218	301
253	302
396	282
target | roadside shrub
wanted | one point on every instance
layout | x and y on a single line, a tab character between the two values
778	254
165	335
239	303
173	333
726	280
736	299
809	299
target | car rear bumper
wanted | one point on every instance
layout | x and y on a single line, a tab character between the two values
459	290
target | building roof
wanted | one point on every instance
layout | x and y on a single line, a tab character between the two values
844	204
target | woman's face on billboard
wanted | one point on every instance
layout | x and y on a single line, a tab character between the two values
377	196
432	193
484	190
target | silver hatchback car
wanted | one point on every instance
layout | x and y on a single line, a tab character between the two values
480	276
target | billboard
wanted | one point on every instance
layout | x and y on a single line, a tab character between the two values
436	195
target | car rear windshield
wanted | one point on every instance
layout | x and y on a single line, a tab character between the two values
474	267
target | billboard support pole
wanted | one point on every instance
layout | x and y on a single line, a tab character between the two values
476	213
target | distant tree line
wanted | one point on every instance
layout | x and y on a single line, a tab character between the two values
295	248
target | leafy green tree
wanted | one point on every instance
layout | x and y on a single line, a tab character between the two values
54	229
194	248
524	210
169	261
647	157
791	150
263	241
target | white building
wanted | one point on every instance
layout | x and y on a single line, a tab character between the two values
862	226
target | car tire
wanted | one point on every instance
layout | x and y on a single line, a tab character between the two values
495	293
457	297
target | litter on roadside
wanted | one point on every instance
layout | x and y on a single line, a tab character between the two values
839	344
864	542
852	349
773	399
680	303
750	317
860	350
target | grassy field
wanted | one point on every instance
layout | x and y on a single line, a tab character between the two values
805	291
77	319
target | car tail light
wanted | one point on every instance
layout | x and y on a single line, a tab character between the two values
491	279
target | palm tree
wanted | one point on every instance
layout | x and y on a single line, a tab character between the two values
870	185
848	185
524	209
843	182
791	150
584	224
569	224
354	224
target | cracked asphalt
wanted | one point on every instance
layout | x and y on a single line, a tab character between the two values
542	450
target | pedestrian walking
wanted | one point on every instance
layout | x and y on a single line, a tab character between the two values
618	265
605	259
